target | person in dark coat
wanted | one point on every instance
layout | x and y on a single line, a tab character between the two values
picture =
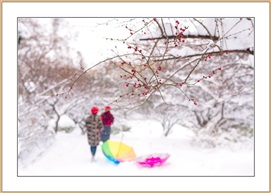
108	120
94	128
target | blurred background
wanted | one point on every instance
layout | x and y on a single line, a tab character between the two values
181	79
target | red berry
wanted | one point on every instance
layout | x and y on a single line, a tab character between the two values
159	68
219	68
154	19
195	103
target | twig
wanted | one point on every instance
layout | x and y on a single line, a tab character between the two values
215	52
211	37
186	36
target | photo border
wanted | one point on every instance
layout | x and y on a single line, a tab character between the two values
1	80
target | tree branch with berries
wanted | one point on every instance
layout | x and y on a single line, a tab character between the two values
166	53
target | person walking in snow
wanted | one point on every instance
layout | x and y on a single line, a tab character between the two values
94	127
108	120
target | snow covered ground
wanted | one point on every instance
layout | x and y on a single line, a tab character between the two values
70	156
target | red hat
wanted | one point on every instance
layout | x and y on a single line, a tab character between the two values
94	110
107	107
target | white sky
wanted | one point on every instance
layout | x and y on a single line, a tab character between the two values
91	40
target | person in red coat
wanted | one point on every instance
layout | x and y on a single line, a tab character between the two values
108	120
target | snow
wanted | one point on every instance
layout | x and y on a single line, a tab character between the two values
30	86
185	51
70	155
65	121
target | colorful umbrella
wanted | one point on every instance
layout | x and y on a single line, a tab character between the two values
117	151
152	159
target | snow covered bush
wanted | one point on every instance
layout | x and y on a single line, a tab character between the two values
240	137
116	129
66	124
34	136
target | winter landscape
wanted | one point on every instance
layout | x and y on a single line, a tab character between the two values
182	86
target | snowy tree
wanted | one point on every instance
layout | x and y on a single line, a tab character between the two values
43	68
168	116
204	64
